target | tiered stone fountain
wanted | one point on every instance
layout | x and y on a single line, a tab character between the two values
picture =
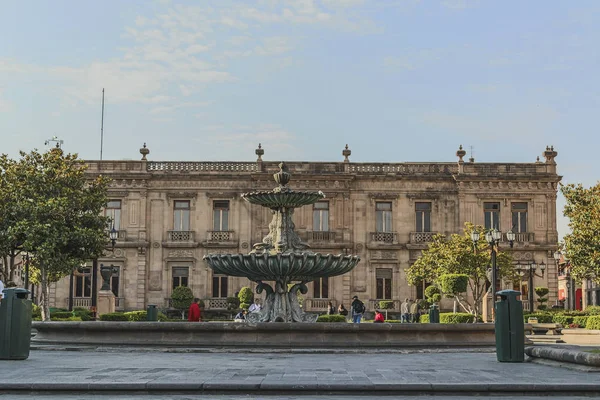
282	257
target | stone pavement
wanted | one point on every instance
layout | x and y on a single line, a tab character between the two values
287	374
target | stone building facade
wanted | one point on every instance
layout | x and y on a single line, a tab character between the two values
170	214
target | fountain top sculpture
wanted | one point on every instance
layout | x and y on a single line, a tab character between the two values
282	256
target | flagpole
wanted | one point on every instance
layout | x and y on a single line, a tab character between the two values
102	126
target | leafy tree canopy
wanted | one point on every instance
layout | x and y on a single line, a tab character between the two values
458	255
51	209
582	245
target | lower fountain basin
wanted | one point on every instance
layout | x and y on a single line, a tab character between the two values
303	267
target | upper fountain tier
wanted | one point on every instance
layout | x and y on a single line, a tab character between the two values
282	196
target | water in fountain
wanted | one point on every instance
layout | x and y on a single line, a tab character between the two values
282	257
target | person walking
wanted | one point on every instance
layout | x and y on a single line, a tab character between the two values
405	310
194	314
414	312
358	308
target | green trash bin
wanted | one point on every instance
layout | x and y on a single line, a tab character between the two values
510	327
434	314
15	324
152	313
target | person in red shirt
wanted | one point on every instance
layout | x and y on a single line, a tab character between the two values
379	316
194	311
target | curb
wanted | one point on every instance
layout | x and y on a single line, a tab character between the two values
564	355
274	387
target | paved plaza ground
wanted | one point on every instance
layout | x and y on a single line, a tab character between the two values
253	376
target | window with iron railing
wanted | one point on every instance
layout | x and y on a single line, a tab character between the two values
321	288
519	217
219	286
181	215
321	216
180	276
423	216
491	212
383	277
383	216
113	211
221	215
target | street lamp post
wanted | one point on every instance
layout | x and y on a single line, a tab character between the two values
493	237
531	269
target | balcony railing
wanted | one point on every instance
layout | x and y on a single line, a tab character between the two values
220	236
373	305
215	303
181	236
86	302
321	236
523	237
384	237
421	237
318	304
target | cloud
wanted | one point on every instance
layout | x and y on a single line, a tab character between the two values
173	107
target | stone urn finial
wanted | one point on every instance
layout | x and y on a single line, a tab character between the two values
460	153
144	151
346	153
259	152
550	155
283	176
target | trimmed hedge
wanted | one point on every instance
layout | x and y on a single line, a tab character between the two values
592	310
581	321
116	316
564	320
331	318
141	315
593	322
543	318
61	314
458	318
450	318
66	319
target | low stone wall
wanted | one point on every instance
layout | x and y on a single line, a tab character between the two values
274	335
581	336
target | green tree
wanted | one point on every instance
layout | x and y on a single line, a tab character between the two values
458	255
59	217
542	299
246	297
582	246
182	298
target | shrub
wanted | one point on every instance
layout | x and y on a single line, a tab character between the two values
432	293
386	304
233	303
562	319
116	316
244	306
36	311
456	318
135	316
84	314
331	318
81	309
182	298
593	322
543	318
541	292
245	296
453	284
424	304
592	310
424	319
581	321
61	314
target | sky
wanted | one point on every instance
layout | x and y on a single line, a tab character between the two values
396	80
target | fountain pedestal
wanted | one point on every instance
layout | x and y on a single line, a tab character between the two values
282	258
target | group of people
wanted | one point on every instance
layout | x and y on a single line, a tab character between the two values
410	311
254	307
357	310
